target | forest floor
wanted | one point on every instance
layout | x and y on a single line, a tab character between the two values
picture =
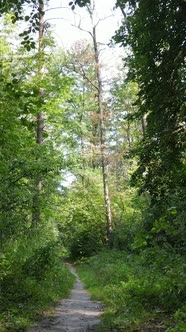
77	313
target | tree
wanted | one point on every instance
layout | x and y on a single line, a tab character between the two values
155	32
91	9
83	104
29	250
40	115
35	9
161	87
124	128
97	115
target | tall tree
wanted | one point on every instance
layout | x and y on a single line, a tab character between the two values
28	252
96	114
155	31
91	9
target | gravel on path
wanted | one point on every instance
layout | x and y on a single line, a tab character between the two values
78	313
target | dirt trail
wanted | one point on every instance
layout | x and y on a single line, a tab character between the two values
78	313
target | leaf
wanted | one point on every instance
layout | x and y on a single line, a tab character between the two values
33	45
172	210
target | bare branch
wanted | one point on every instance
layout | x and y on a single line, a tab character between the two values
46	10
80	28
83	74
102	19
86	77
16	180
56	18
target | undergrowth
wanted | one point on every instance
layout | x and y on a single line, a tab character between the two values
26	303
141	292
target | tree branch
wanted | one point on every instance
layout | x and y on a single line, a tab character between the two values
60	7
125	18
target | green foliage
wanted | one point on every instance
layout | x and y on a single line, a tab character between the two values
80	3
31	272
155	31
31	20
163	225
143	284
125	130
32	275
81	221
32	296
141	292
128	209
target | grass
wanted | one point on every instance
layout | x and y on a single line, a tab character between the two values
140	292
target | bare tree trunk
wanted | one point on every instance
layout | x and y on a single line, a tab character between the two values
40	116
102	139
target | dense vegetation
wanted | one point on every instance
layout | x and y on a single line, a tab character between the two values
122	215
143	285
142	292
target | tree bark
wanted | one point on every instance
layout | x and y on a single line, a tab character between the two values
40	116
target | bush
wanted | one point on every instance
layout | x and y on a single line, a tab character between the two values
32	277
141	292
86	243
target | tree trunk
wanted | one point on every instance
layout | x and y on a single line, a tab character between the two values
102	140
40	117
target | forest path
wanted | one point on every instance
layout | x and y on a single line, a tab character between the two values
78	313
